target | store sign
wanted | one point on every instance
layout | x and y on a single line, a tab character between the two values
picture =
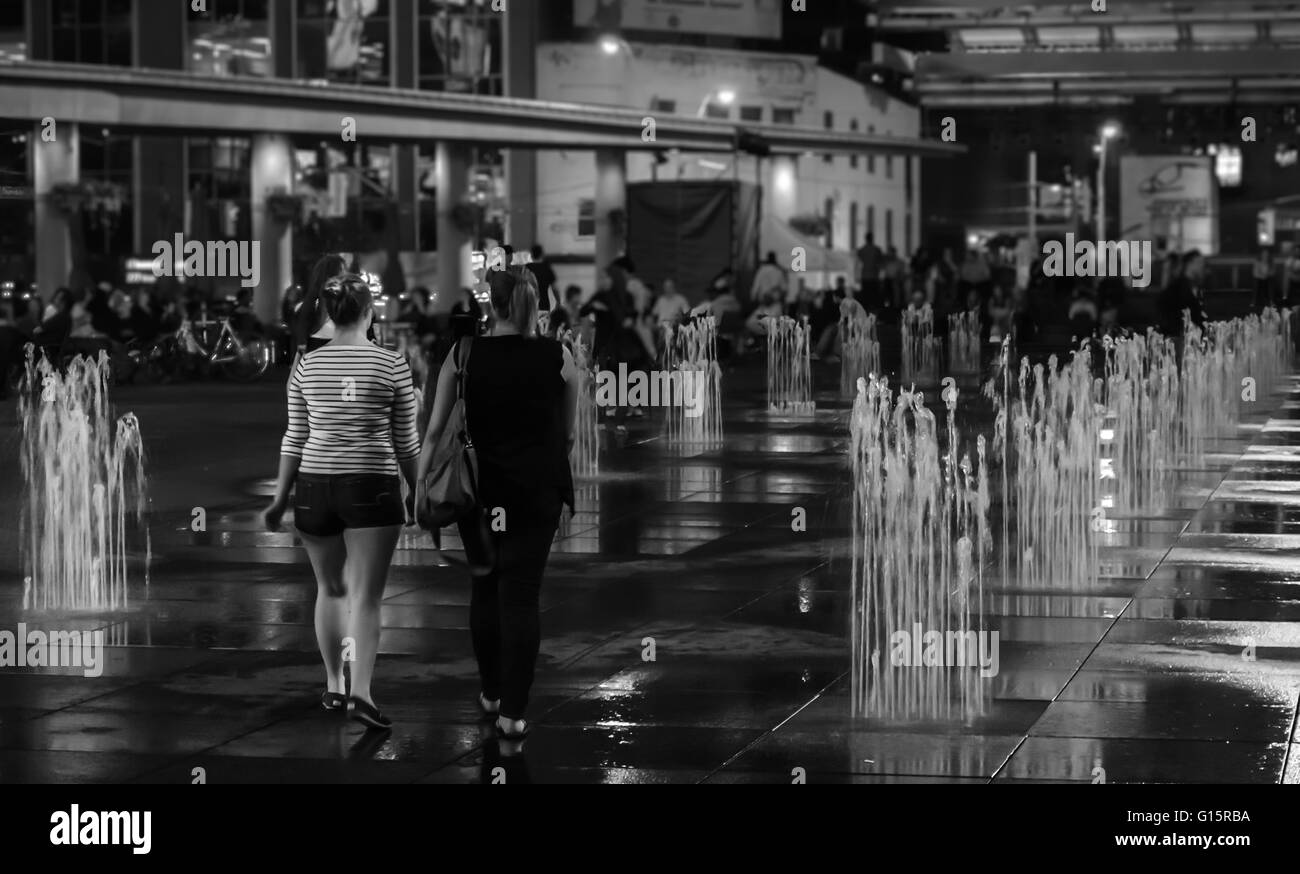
1266	226
139	271
750	18
1175	197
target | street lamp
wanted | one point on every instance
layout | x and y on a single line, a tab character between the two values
612	45
1108	132
724	96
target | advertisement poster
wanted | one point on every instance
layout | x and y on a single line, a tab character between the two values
751	18
1174	197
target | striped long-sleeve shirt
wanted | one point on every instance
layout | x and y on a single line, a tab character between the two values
351	410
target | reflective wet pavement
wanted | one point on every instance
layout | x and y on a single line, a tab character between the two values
1181	665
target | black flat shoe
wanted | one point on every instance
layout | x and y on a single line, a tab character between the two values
488	706
368	715
333	701
502	734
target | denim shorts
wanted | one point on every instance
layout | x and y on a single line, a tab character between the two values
324	506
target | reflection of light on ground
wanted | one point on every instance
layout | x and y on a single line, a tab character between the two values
806	590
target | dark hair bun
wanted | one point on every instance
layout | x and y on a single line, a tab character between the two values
326	268
347	299
501	285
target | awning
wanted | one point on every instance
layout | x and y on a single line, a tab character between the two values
777	236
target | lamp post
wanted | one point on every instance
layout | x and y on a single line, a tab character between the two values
612	45
1109	131
724	96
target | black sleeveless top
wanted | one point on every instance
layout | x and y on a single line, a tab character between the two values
514	409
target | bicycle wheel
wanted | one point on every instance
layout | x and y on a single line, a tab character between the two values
251	362
159	362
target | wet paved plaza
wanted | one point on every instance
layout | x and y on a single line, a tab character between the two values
1181	665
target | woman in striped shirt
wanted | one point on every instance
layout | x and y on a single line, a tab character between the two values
351	441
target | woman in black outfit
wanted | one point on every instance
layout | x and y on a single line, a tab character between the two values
311	316
520	404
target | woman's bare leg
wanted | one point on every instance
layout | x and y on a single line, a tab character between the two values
369	555
327	560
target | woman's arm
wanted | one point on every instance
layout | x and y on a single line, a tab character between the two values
291	449
572	379
406	437
444	397
304	319
284	481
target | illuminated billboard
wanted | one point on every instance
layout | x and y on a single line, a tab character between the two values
1175	197
751	18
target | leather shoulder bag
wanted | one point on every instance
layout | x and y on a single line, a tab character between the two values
451	485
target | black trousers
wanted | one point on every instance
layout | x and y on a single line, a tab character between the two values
504	616
1263	292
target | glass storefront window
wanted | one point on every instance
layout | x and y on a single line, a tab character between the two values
233	38
16	206
219	186
345	41
347	195
460	47
108	158
92	32
13	32
427	174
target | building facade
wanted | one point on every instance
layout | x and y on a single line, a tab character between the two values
104	197
851	195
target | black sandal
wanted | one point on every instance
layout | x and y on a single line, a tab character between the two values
333	701
502	734
368	715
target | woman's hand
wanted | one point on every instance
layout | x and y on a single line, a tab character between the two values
410	504
274	514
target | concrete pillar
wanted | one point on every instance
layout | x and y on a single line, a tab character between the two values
914	208
53	164
159	190
521	36
611	195
283	39
781	199
159	184
406	182
40	17
406	188
453	160
272	171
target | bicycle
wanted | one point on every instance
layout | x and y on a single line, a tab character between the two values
188	350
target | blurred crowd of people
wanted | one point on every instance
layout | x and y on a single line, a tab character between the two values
623	321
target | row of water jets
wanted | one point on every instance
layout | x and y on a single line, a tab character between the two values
920	355
584	455
789	366
920	537
693	347
84	495
1075	446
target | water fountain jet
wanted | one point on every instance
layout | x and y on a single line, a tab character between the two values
85	488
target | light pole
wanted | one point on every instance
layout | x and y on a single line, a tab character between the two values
1109	131
612	45
724	96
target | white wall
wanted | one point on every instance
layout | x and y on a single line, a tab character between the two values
875	185
581	72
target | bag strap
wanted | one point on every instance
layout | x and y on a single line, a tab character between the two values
462	361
